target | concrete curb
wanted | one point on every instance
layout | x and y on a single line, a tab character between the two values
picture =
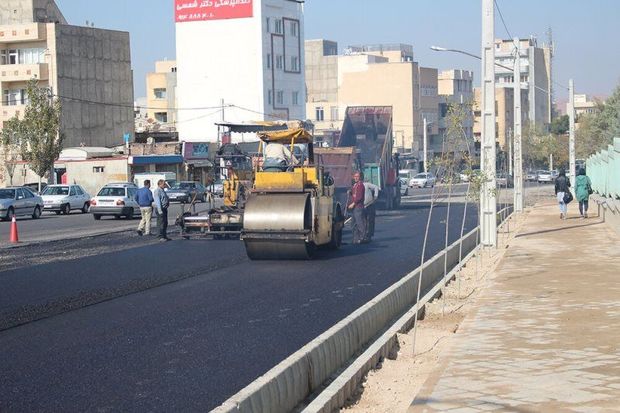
287	385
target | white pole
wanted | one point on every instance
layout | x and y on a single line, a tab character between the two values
518	150
488	198
425	146
551	162
571	139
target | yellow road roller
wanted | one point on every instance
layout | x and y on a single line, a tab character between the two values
291	210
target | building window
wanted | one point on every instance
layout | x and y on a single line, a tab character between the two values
295	63
279	28
173	70
270	96
295	98
160	93
280	97
320	113
15	97
22	56
268	60
294	29
161	117
334	113
279	62
98	169
268	24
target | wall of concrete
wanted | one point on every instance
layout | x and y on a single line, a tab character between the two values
94	65
29	11
82	173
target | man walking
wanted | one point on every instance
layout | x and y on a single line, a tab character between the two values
161	203
356	206
371	194
144	198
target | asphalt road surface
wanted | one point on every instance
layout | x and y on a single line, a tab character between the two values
123	323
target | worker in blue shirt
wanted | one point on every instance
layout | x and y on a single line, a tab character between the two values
144	198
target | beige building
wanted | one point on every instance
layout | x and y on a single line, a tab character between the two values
584	105
456	88
374	75
161	99
88	69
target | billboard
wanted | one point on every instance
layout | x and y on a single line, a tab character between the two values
201	10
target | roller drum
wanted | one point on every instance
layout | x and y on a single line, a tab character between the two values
278	227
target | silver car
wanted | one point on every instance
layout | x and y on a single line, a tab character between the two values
19	202
65	198
545	177
117	200
423	180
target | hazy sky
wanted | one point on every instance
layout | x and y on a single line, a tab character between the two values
587	33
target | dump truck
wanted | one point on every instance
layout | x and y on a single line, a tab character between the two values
291	212
369	130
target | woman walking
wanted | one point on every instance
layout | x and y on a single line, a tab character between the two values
583	189
562	185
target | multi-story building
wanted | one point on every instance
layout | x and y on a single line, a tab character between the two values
87	68
161	101
238	62
456	88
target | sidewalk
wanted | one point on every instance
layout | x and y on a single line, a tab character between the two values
545	335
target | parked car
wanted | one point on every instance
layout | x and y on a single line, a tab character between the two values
65	198
531	176
34	187
186	191
217	188
505	180
117	200
545	177
18	202
404	186
423	180
465	175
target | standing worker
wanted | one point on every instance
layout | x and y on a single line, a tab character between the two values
144	198
583	190
162	203
371	194
357	208
562	187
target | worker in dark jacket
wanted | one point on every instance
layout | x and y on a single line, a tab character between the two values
562	186
356	206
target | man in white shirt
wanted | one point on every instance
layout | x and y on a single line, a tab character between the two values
278	157
371	194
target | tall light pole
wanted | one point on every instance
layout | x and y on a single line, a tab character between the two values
488	199
571	133
517	131
425	143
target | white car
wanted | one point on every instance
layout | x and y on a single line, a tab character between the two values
65	198
423	180
404	187
117	200
545	177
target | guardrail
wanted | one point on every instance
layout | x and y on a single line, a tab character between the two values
604	171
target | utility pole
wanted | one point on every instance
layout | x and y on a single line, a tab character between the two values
488	199
510	139
517	131
425	146
571	131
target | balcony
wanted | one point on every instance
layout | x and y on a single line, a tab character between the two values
23	73
8	112
21	33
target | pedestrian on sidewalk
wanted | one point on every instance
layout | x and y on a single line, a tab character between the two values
144	198
371	194
161	204
562	187
583	190
356	206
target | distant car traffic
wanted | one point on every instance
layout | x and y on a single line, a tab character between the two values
404	186
464	176
187	191
531	176
117	200
545	177
505	180
423	180
65	198
18	202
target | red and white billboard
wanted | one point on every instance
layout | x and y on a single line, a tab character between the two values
201	10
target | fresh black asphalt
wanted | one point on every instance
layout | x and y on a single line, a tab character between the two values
184	325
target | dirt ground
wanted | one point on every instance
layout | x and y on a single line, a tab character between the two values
394	384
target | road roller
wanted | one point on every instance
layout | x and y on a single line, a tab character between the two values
291	211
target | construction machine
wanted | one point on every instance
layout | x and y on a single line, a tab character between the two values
291	211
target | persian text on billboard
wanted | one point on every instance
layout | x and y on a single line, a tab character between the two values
194	10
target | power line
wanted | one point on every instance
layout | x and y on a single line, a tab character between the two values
501	16
120	105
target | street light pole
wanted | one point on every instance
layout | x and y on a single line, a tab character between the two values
425	145
571	131
517	131
488	200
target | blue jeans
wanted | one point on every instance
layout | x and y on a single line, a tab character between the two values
563	207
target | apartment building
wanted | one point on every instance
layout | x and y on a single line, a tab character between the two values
456	88
87	68
249	64
161	101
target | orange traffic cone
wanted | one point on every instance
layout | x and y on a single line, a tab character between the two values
14	239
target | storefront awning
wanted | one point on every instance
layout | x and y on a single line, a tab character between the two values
199	163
